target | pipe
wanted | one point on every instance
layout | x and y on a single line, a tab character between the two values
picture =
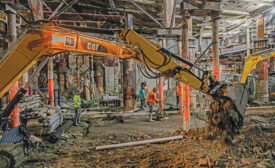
139	143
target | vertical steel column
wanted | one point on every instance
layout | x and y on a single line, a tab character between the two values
50	81
37	13
77	72
192	58
99	75
129	76
215	45
248	41
12	35
186	88
262	67
180	84
160	80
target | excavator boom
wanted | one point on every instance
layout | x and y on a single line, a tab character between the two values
48	40
252	60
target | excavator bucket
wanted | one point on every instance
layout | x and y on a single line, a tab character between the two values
227	111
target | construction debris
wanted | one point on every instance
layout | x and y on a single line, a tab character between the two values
43	121
62	129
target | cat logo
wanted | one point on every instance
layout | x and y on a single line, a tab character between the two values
91	45
69	41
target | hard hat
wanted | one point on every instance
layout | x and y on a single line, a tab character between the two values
78	90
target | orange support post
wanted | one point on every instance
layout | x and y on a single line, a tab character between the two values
50	82
215	39
160	94
186	106
12	35
162	42
180	84
262	92
186	88
15	114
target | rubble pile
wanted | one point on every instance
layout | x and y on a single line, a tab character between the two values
30	102
43	121
254	147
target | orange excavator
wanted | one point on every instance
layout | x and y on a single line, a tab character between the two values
42	41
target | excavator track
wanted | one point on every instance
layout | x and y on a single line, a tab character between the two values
225	120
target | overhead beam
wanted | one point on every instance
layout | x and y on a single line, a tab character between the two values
88	14
144	11
233	12
48	8
192	2
265	2
36	7
173	15
56	10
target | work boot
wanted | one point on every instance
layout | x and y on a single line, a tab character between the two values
151	117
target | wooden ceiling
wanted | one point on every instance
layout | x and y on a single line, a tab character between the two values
112	14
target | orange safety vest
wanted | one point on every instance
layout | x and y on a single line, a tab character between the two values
152	97
146	88
178	90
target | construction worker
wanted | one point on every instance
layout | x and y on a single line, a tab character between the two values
142	96
152	98
77	106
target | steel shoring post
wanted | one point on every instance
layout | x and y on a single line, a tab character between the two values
215	45
50	81
180	84
186	88
12	35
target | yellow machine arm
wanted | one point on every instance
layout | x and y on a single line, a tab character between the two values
156	57
252	60
49	40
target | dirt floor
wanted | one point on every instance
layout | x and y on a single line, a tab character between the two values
255	147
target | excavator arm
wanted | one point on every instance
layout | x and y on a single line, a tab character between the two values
48	40
252	60
163	61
